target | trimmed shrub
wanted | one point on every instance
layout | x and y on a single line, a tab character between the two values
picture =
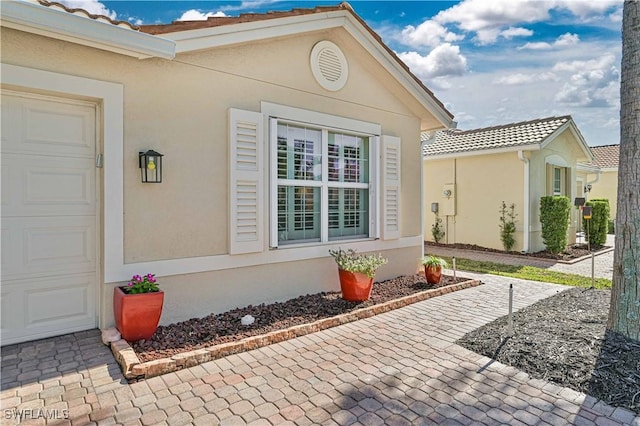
507	225
599	222
554	217
612	227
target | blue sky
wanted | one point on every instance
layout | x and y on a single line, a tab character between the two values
491	62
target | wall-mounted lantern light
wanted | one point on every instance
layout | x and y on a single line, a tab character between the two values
150	164
587	188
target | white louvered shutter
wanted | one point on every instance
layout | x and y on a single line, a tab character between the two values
390	187
246	184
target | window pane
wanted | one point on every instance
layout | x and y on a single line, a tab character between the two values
348	212
557	181
348	157
299	153
298	213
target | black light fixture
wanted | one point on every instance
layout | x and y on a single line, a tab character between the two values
587	188
150	164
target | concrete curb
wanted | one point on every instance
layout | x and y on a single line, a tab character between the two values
133	368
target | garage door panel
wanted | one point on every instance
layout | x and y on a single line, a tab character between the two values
39	307
49	217
38	185
44	126
53	245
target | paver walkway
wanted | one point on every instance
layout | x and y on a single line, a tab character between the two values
397	368
603	263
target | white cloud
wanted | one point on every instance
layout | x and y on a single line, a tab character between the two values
567	39
592	83
512	32
564	40
491	19
196	15
429	33
487	18
585	8
92	6
590	64
444	60
521	78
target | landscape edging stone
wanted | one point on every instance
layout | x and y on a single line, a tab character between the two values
133	368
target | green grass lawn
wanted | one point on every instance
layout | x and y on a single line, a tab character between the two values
527	273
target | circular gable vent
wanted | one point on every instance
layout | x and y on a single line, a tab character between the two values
329	65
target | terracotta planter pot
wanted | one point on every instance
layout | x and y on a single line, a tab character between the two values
433	274
137	315
355	287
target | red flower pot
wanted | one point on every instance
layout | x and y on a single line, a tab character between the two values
137	315
433	274
355	287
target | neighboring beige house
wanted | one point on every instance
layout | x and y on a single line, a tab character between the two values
605	183
469	173
284	135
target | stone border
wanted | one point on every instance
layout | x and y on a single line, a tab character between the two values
133	368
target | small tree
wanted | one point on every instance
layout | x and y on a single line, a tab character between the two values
507	225
436	229
554	217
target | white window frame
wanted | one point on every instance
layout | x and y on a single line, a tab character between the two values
275	114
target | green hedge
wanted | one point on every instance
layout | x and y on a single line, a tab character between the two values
599	223
554	217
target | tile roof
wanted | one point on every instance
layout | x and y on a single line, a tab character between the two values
510	135
606	156
82	12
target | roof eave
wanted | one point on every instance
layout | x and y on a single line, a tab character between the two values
243	32
450	155
589	168
77	29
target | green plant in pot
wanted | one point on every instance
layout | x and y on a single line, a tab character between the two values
137	307
433	268
356	272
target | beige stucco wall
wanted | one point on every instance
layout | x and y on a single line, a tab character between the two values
606	187
180	108
482	182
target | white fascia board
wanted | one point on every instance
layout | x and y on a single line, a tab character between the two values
77	29
581	167
533	147
226	35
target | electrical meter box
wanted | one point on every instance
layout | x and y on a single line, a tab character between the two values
448	200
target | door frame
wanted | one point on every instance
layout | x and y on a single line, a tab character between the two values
109	123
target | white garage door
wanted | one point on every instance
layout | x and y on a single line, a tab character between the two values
49	223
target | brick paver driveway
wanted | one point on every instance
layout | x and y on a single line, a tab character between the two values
396	368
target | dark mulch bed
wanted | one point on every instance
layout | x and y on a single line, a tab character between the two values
225	327
563	339
572	252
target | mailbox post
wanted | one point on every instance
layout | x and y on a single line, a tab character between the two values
586	215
